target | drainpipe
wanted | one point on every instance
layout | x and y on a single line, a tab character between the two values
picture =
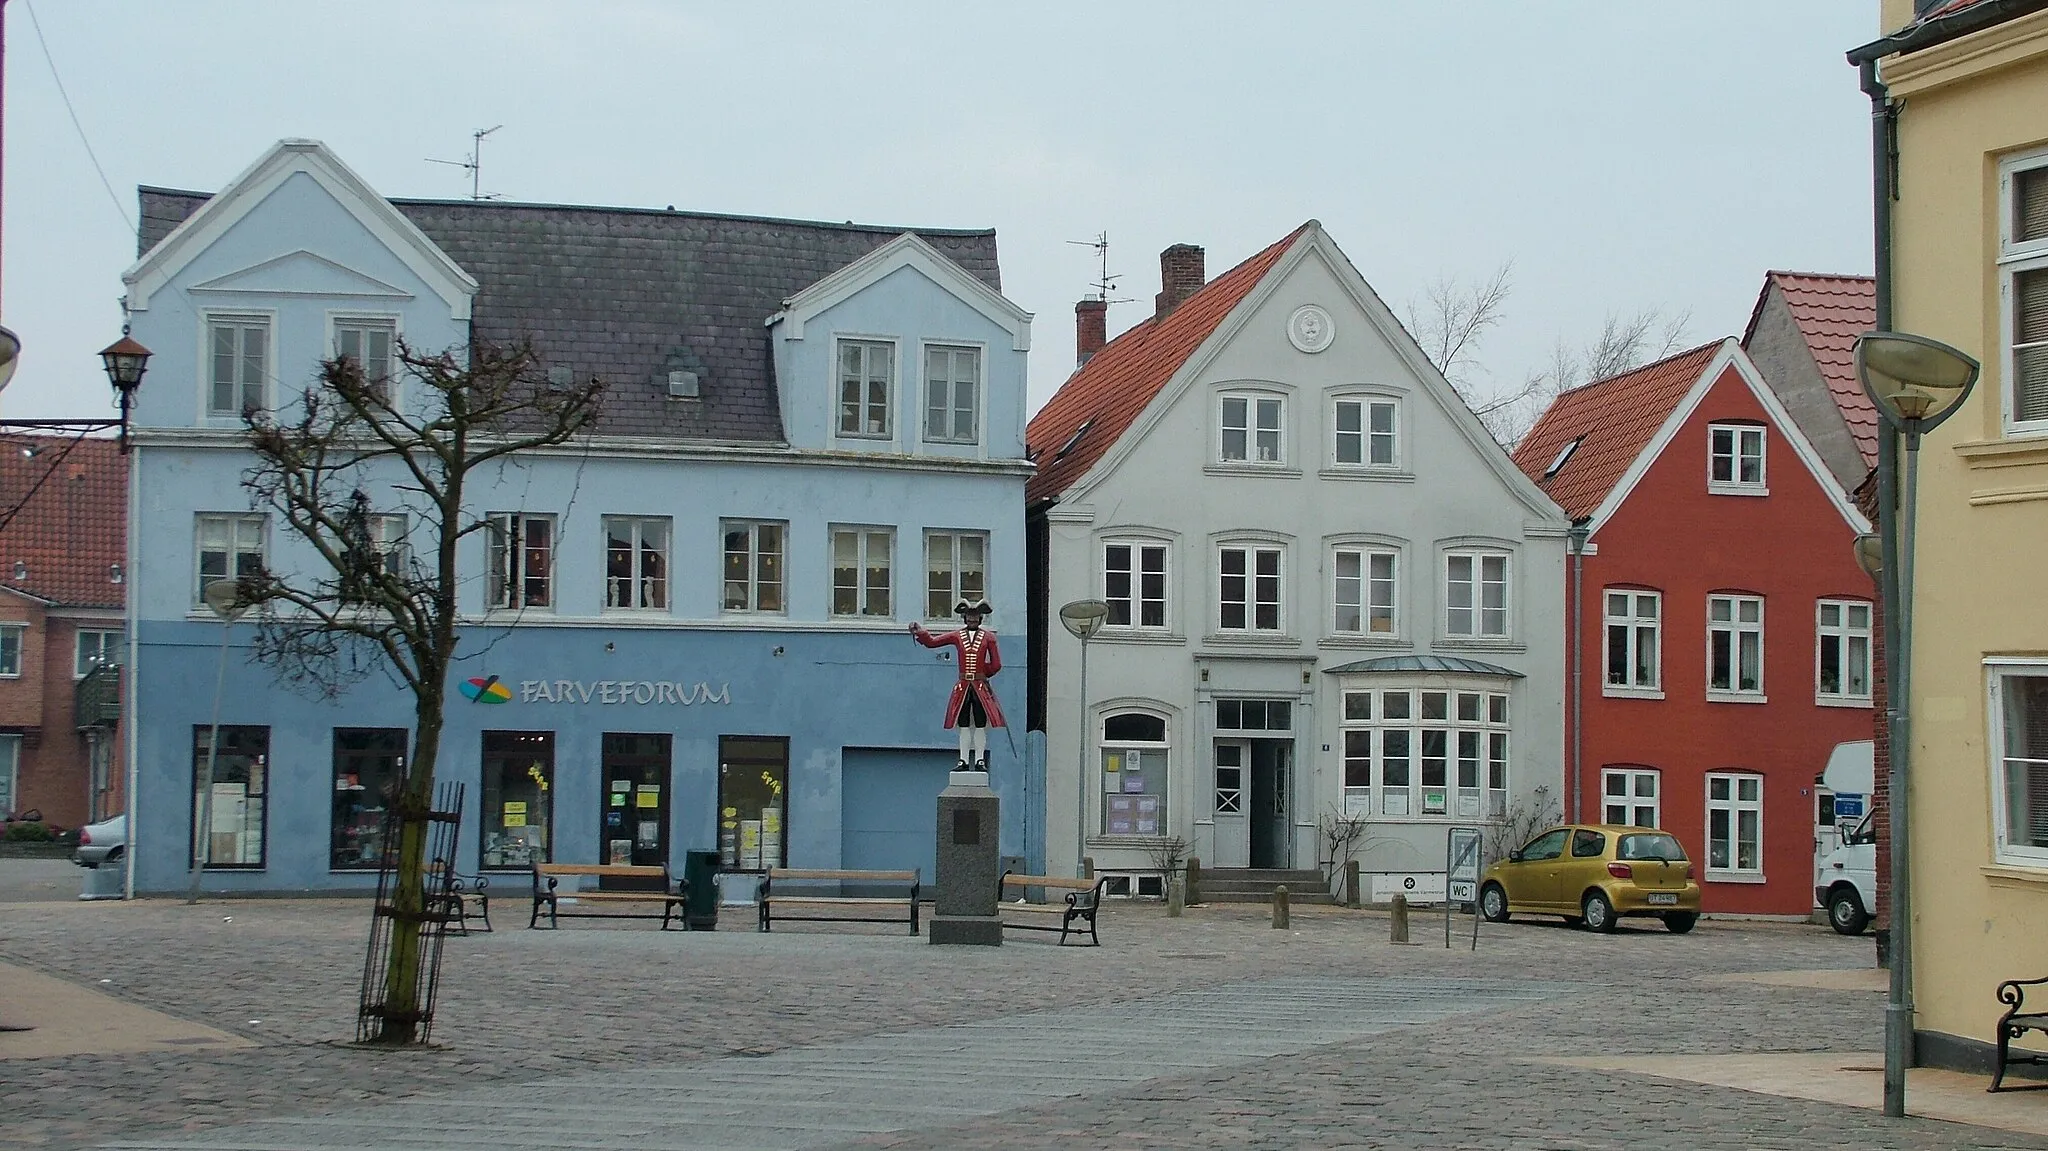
1576	536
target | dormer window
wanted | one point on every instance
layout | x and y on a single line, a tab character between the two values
867	371
1735	460
1251	429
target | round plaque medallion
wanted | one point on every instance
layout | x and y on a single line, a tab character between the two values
1310	328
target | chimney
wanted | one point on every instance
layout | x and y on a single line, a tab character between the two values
1180	275
1091	328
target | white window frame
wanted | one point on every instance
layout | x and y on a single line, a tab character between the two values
390	538
977	391
2015	258
1377	597
866	540
868	345
642	589
1256	582
80	666
389	325
238	524
1735	806
1139	551
1367	436
1469	719
1844	634
756	567
1631	801
1636	628
1735	627
1476	557
1145	750
1254	429
957	587
1998	673
242	321
12	636
1739	436
507	578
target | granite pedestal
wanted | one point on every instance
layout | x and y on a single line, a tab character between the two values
968	864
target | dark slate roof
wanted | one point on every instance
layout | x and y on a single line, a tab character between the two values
630	294
1440	664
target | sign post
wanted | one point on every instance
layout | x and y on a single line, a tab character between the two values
1461	877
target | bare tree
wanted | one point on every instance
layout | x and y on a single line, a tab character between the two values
1453	319
351	449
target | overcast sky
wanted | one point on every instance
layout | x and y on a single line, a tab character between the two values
1622	154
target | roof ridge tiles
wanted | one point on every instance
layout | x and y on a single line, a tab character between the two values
1640	368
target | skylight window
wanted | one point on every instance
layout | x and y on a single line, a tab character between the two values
1563	454
1075	438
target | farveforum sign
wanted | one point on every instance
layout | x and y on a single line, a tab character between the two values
490	689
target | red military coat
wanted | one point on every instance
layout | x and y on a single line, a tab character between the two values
979	659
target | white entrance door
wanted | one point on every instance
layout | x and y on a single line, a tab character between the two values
1827	834
1233	795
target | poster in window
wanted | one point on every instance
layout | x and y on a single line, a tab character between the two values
1148	805
750	845
1134	784
1433	803
1357	803
1120	826
621	851
1396	803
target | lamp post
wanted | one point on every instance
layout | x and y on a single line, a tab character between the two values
224	597
1916	383
1083	618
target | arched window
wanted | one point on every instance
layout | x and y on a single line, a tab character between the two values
1134	754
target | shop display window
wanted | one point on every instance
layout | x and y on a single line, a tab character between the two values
1134	755
518	803
369	769
234	834
753	778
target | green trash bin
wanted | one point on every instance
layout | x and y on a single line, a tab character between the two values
700	902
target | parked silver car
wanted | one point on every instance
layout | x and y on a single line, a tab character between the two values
102	842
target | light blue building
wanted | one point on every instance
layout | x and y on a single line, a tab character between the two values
688	631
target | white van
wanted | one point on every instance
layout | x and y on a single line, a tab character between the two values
1847	881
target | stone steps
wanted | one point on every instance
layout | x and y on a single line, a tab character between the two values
1255	885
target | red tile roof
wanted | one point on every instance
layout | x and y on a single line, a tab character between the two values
69	531
1613	419
1109	391
1831	311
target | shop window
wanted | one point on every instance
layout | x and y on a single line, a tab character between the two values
1414	753
753	781
369	770
518	798
1134	759
234	835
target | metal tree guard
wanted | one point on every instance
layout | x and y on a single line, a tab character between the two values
442	826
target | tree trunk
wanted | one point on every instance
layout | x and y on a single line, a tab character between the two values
400	1023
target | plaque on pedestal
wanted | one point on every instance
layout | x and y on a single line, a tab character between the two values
968	863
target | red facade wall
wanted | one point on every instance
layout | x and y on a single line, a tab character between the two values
39	706
1791	547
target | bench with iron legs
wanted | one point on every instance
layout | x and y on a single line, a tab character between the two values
2017	1021
469	900
618	885
1083	899
777	900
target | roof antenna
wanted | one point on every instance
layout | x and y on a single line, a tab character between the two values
1105	283
474	165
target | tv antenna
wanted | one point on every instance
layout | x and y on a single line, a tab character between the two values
1105	283
474	165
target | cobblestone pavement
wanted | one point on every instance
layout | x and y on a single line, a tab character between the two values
520	1006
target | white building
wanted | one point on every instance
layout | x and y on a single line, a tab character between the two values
1331	593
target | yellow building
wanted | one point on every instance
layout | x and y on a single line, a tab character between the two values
1967	85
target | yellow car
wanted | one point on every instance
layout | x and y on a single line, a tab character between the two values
1595	874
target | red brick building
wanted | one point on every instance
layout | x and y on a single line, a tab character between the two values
1724	638
62	539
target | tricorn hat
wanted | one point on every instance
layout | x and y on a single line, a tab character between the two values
978	605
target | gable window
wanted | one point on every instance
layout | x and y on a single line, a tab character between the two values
753	565
956	568
2023	290
1365	433
1476	594
1630	796
372	344
1634	631
2019	764
521	560
1134	751
1363	590
1248	589
861	584
1842	651
1735	644
238	359
1735	459
952	394
636	563
1435	753
867	369
10	649
1251	429
96	648
229	547
1735	826
1134	583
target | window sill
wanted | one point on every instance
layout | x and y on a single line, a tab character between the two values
1750	877
1349	639
2017	449
1613	692
1755	490
1128	841
1467	643
1139	636
1253	639
1843	701
1368	474
635	612
1263	471
2015	874
1736	696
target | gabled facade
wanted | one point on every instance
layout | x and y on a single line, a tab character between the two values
688	631
62	583
1802	339
1723	633
1331	594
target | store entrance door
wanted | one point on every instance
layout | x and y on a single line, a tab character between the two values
633	824
1271	844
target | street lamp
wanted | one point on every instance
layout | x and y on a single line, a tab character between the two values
125	360
1083	618
1916	383
10	350
224	597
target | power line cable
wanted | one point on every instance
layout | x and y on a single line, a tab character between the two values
119	209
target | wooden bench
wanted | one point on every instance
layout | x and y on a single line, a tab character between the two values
468	898
2017	1021
774	899
617	885
1083	900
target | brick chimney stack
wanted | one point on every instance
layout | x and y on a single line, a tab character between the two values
1091	328
1181	274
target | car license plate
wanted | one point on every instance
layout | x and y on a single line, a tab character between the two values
1662	898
